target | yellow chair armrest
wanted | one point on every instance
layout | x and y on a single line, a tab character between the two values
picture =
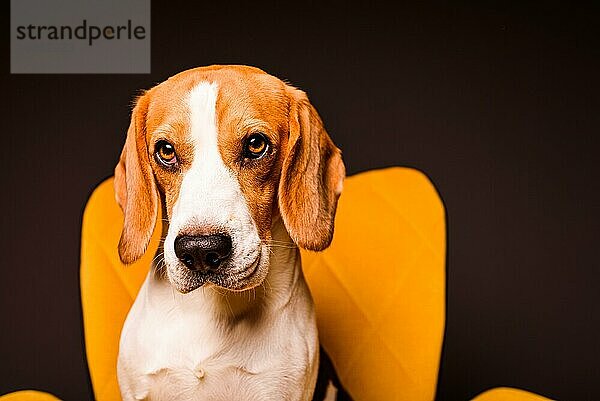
508	394
28	395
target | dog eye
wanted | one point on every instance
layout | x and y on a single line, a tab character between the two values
256	146
165	153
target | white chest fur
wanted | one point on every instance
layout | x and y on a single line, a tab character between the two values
257	345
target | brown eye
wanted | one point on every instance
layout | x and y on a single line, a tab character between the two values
257	146
165	153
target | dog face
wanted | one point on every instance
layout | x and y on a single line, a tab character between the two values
224	151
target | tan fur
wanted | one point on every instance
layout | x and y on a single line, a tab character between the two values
301	179
135	188
311	177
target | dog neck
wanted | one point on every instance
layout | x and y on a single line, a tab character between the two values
273	295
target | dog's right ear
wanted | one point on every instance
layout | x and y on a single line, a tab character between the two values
135	188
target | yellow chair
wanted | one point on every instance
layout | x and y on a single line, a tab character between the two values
379	289
28	395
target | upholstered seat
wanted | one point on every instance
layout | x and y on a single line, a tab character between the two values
379	289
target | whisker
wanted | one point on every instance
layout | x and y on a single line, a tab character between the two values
163	268
156	257
226	300
266	282
283	246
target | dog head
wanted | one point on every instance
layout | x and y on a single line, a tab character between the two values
225	151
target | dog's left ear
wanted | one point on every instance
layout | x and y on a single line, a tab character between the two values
135	188
311	178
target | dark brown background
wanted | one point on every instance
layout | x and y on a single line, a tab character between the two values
498	104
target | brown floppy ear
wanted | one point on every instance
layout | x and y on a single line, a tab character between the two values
311	178
135	188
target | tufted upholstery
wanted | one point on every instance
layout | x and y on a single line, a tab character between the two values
379	288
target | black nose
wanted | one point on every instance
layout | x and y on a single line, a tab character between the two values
202	252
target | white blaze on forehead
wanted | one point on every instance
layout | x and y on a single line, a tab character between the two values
210	199
203	106
209	188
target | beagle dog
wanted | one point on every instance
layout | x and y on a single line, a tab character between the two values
242	171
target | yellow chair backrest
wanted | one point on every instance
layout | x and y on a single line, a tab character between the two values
379	289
